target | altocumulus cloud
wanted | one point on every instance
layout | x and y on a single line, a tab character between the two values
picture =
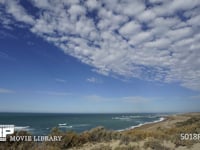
152	40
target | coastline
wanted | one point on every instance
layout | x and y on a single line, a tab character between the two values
143	124
167	122
39	124
161	134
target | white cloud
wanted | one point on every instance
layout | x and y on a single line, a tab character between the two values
140	37
136	99
76	10
44	4
18	12
4	55
54	93
129	28
146	16
160	43
179	34
121	38
183	5
131	8
6	91
155	1
93	80
92	4
60	80
130	99
96	98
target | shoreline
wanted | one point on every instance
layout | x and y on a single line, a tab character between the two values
144	125
135	123
140	125
161	119
159	134
168	122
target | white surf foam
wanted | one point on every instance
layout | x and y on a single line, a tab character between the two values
141	124
65	126
22	128
62	124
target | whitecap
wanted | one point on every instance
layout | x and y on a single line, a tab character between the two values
22	128
65	126
62	124
122	118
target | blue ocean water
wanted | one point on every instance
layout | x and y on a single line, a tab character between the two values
42	123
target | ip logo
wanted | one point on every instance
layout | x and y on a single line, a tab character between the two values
5	130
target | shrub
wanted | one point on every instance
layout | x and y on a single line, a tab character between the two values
125	139
100	134
154	144
13	145
178	142
190	121
129	147
102	147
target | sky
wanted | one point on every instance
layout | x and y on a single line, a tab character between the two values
91	56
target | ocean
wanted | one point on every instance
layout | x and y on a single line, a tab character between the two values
42	123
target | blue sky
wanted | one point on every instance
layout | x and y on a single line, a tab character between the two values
91	56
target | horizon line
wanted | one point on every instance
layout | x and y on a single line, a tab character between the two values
92	112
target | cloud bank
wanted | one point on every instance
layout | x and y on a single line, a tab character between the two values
151	40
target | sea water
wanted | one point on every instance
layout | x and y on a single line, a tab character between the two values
43	123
